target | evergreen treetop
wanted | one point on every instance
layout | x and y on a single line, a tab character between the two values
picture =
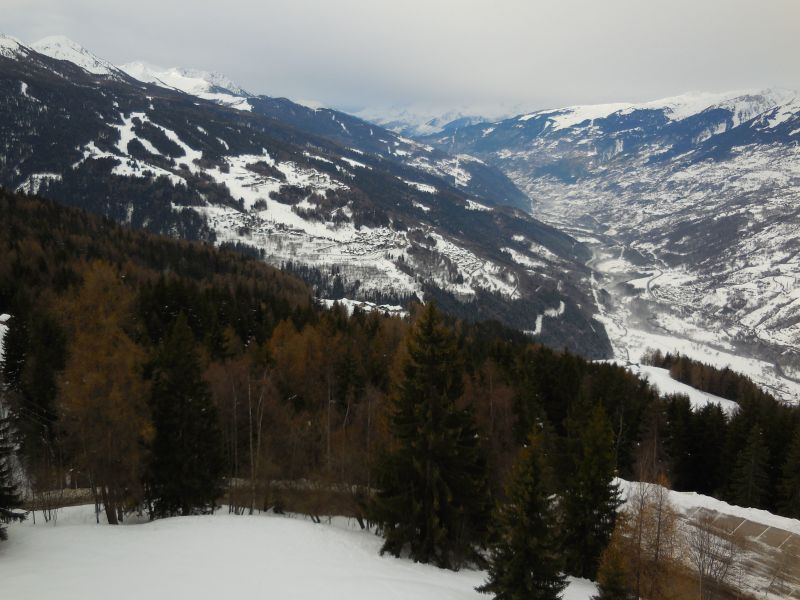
432	491
187	465
591	498
525	561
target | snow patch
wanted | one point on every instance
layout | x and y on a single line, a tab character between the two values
4	318
550	313
472	205
354	163
422	187
349	305
34	182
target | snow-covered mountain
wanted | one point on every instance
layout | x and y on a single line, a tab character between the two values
62	48
354	208
203	84
415	120
691	200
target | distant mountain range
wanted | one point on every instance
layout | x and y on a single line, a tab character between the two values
358	210
675	218
416	120
694	200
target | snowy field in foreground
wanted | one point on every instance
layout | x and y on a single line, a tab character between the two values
219	557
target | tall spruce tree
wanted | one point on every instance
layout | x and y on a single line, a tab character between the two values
750	477
187	464
590	498
9	499
789	486
525	563
432	487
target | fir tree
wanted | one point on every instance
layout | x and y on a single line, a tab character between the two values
591	498
432	492
187	465
524	562
9	499
790	480
750	477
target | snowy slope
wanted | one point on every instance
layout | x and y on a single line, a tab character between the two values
690	502
767	559
661	380
464	172
217	557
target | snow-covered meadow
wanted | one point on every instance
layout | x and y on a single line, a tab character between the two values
220	556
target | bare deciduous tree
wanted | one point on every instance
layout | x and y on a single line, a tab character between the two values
651	536
714	555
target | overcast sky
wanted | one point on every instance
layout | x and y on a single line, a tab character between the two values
529	53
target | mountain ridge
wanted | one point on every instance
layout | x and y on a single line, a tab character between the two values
393	220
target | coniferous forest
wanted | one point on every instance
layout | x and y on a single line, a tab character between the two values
169	378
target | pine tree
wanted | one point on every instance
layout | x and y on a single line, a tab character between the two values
186	470
790	480
524	562
432	492
708	440
591	498
750	477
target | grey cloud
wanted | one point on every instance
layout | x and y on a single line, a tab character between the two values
460	52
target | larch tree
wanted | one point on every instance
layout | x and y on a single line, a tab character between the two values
613	575
103	397
714	554
648	532
525	561
432	493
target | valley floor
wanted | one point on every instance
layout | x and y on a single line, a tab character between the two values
638	318
220	556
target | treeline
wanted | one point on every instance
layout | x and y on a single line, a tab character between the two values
724	383
168	376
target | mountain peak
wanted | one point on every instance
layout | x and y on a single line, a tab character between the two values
191	81
60	47
10	47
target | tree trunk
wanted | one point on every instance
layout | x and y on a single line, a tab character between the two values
109	505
